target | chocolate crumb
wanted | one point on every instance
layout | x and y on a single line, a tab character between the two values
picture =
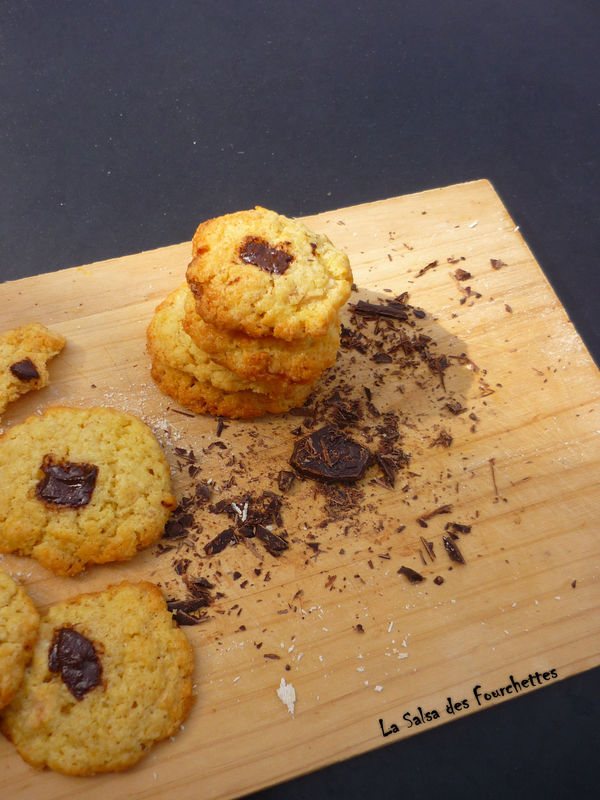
426	268
412	575
285	480
455	407
438	580
462	274
457	527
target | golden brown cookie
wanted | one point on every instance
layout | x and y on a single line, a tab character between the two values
24	356
264	274
81	486
111	675
299	361
202	397
19	622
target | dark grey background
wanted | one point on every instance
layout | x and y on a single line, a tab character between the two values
123	124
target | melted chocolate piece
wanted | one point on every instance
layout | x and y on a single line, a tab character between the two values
257	251
75	657
66	483
25	370
330	455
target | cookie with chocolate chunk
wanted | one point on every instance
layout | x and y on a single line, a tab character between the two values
267	358
202	397
81	486
264	274
24	356
19	622
111	675
168	343
186	373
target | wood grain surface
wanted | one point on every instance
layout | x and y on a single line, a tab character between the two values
372	657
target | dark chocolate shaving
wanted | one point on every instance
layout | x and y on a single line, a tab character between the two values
274	544
453	550
412	575
220	542
391	309
457	527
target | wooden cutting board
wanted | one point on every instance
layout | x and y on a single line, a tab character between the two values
371	656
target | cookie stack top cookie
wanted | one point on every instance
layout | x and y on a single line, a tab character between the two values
264	274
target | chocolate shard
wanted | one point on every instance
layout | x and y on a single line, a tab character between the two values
453	550
274	544
392	310
412	575
457	527
220	542
25	370
75	657
328	454
66	483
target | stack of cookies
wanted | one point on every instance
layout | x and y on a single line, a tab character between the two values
256	322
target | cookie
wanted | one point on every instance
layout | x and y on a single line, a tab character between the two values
168	343
111	675
299	361
202	397
267	275
24	356
81	486
19	622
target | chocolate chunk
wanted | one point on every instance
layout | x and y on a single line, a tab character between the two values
330	455
66	483
412	575
75	657
258	252
25	370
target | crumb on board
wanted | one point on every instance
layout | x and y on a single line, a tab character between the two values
287	694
